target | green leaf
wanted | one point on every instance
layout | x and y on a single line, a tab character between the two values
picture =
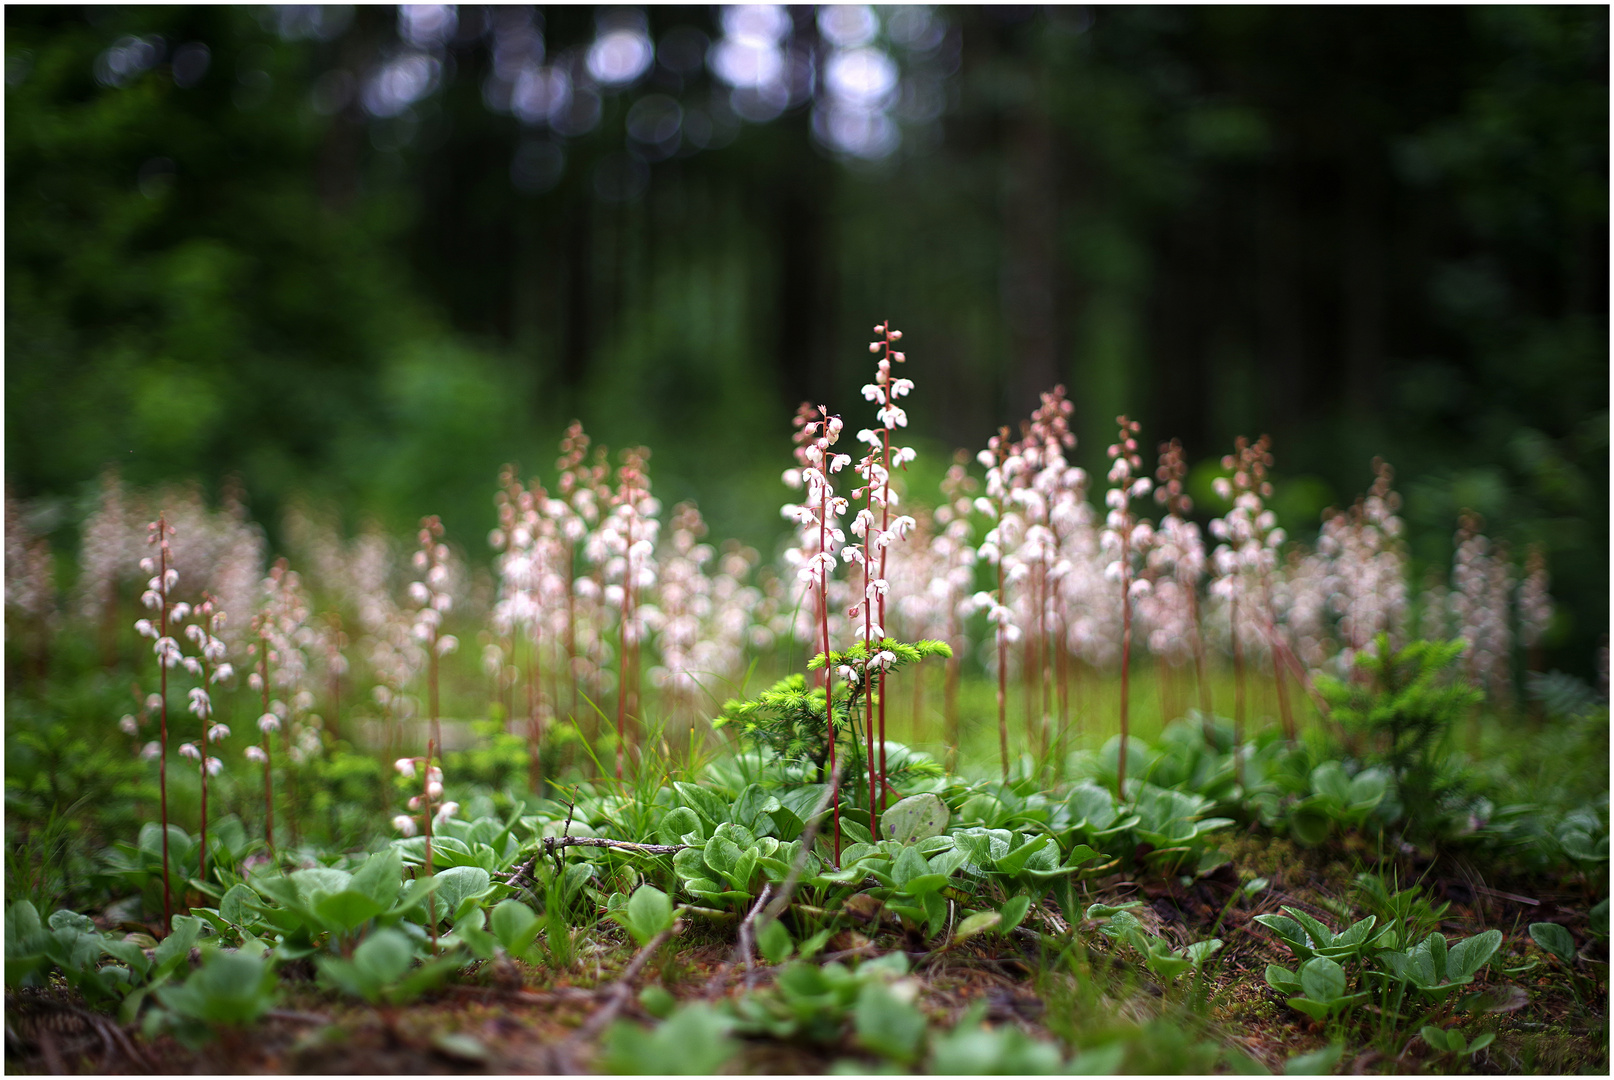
812	945
384	957
909	865
680	822
1481	1041
234	908
649	912
887	1025
722	855
1322	979
1320	935
471	932
1309	824
1471	954
379	878
1283	980
978	923
917	817
703	802
1290	933
515	926
1317	1063
176	947
414	896
1200	951
1317	1010
754	809
129	953
1555	940
1014	912
1435	945
229	988
1163	961
692	1042
1437	1038
460	883
347	910
1015	861
773	942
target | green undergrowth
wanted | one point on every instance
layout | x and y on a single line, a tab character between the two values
1363	899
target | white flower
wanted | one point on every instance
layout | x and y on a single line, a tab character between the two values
128	725
151	751
189	750
405	824
214	766
406	766
268	722
446	811
154	701
167	650
178	611
144	628
200	704
218	731
255	753
223	672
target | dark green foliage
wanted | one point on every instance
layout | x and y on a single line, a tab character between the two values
1404	706
789	719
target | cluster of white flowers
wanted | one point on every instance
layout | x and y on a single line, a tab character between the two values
818	516
1480	598
1535	602
1176	564
30	591
421	806
873	525
210	665
1247	556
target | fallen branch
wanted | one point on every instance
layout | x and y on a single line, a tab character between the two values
551	844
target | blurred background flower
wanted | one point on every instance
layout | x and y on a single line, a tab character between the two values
366	254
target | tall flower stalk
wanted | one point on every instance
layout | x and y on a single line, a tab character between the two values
818	519
433	601
211	668
158	598
268	724
996	458
1128	538
954	557
431	791
630	534
1181	551
875	469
